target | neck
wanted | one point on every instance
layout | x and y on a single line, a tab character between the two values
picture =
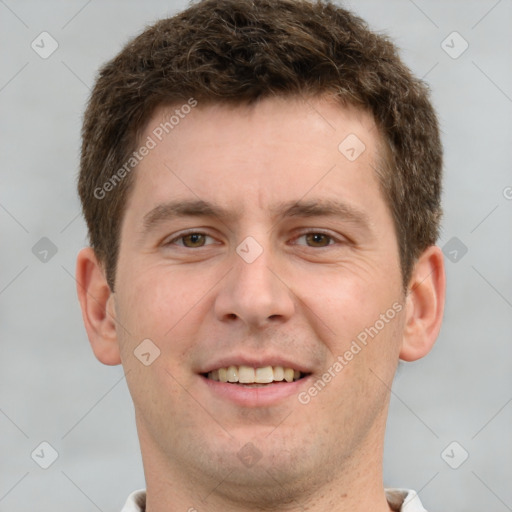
354	484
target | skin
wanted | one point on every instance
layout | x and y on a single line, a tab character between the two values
306	297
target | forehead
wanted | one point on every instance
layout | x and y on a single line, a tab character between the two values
257	155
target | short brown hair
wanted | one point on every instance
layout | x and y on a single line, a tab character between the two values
239	51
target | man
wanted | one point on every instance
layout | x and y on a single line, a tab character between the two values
261	184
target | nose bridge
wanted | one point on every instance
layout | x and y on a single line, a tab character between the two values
252	291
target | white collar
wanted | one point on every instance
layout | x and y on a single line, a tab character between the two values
403	500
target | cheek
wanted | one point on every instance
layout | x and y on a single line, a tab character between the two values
155	306
163	305
341	300
356	317
153	301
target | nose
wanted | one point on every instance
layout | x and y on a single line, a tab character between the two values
255	293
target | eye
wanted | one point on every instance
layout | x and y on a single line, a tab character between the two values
191	240
316	239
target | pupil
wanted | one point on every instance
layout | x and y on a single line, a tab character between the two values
318	239
195	238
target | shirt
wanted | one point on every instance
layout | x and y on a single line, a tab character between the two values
401	500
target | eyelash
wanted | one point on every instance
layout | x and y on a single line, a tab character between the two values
332	239
184	235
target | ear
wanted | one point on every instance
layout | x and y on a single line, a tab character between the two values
424	305
97	303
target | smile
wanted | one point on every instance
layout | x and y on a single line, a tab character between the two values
254	376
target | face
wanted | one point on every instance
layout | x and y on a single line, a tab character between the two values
257	248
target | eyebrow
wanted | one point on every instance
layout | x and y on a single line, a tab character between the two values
181	208
322	208
165	212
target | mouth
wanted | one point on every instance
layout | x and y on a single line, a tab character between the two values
249	376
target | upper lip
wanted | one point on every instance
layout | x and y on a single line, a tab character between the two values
254	361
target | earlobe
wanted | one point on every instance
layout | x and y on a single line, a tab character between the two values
424	305
98	312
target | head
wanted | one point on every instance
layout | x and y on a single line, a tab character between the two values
236	53
261	183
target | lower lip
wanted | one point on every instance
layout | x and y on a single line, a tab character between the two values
263	396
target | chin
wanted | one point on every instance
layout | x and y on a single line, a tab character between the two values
264	469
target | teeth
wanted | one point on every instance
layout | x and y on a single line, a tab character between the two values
264	375
245	374
288	374
278	373
232	373
248	375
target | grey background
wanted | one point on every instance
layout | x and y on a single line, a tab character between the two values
53	389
